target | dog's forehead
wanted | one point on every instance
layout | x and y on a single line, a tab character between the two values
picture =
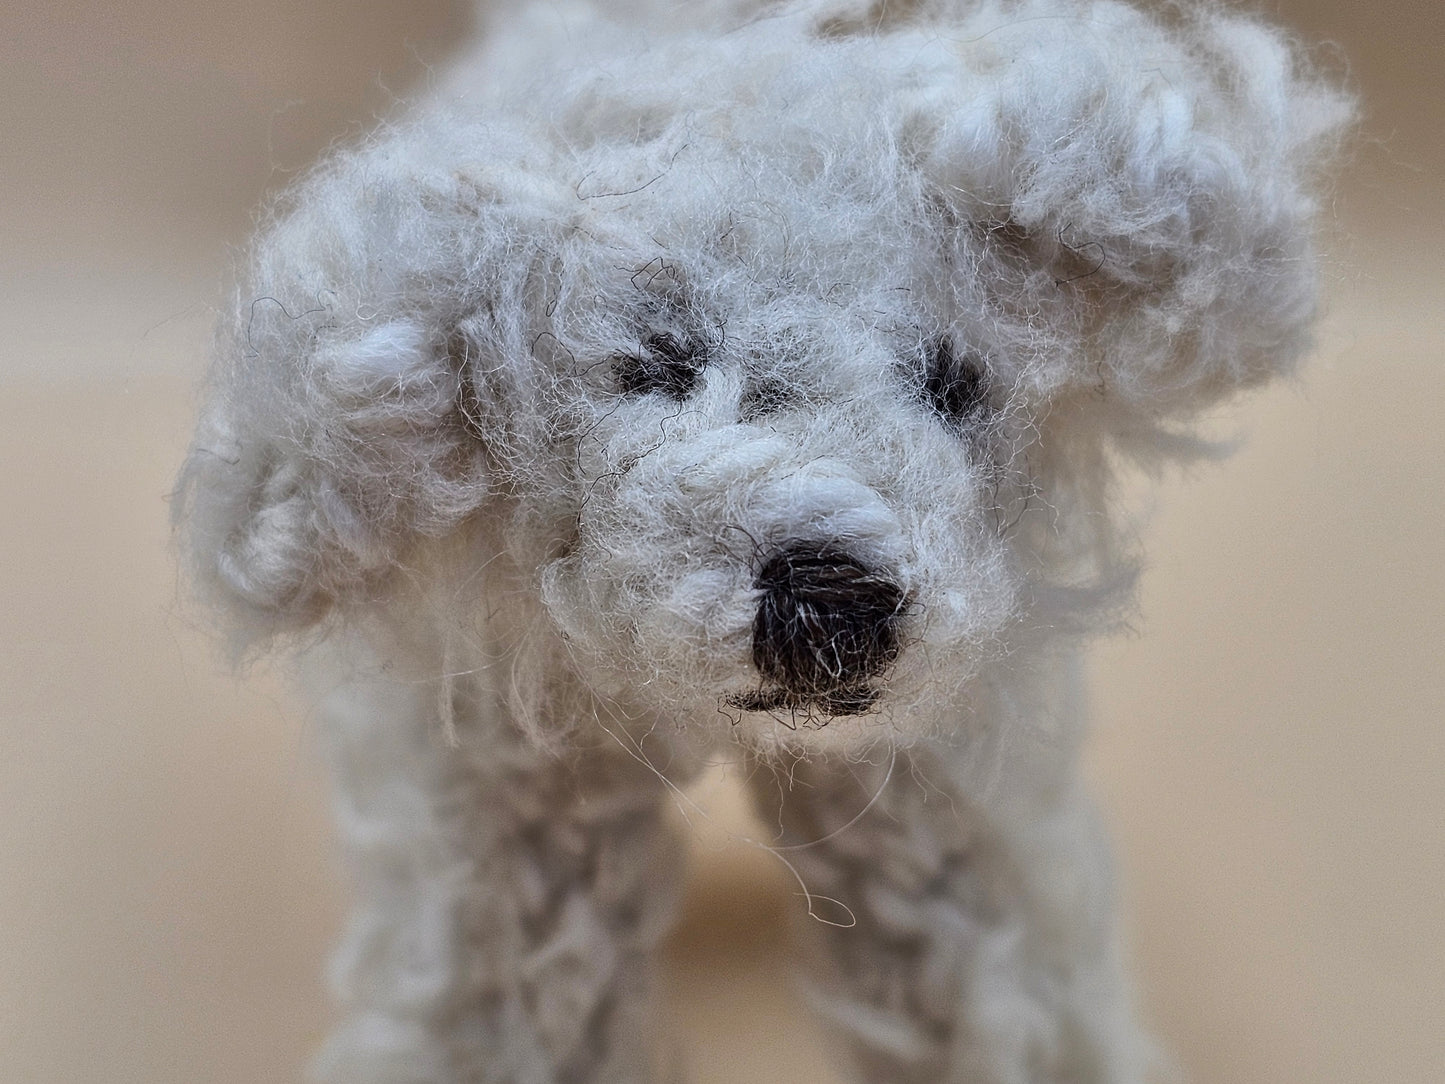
726	219
780	154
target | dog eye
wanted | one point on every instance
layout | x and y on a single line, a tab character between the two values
954	384
666	365
763	397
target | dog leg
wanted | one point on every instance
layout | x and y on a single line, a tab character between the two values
508	903
973	943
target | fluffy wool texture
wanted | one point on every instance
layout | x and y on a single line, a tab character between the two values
752	378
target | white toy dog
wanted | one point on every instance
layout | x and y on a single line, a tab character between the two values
741	379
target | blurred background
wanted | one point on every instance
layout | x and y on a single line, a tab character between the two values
1269	746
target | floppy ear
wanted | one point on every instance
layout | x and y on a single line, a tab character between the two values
1145	195
341	424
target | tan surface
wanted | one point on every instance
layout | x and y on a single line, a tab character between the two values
1271	747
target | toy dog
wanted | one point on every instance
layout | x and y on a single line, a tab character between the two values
752	379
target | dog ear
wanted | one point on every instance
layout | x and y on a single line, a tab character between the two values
343	421
1144	196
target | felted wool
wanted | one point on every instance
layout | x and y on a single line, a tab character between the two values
753	378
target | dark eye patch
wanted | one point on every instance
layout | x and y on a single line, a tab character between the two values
954	384
666	365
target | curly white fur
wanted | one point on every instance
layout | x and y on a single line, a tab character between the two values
519	398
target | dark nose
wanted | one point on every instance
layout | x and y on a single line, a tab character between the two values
826	625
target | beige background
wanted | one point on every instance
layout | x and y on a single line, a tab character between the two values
1270	747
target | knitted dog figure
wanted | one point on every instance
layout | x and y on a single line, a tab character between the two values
744	380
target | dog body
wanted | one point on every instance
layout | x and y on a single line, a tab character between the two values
754	381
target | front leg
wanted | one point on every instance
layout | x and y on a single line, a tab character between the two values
974	939
508	903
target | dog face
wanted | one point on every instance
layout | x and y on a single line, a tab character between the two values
786	456
787	377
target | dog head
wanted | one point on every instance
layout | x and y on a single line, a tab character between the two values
772	371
